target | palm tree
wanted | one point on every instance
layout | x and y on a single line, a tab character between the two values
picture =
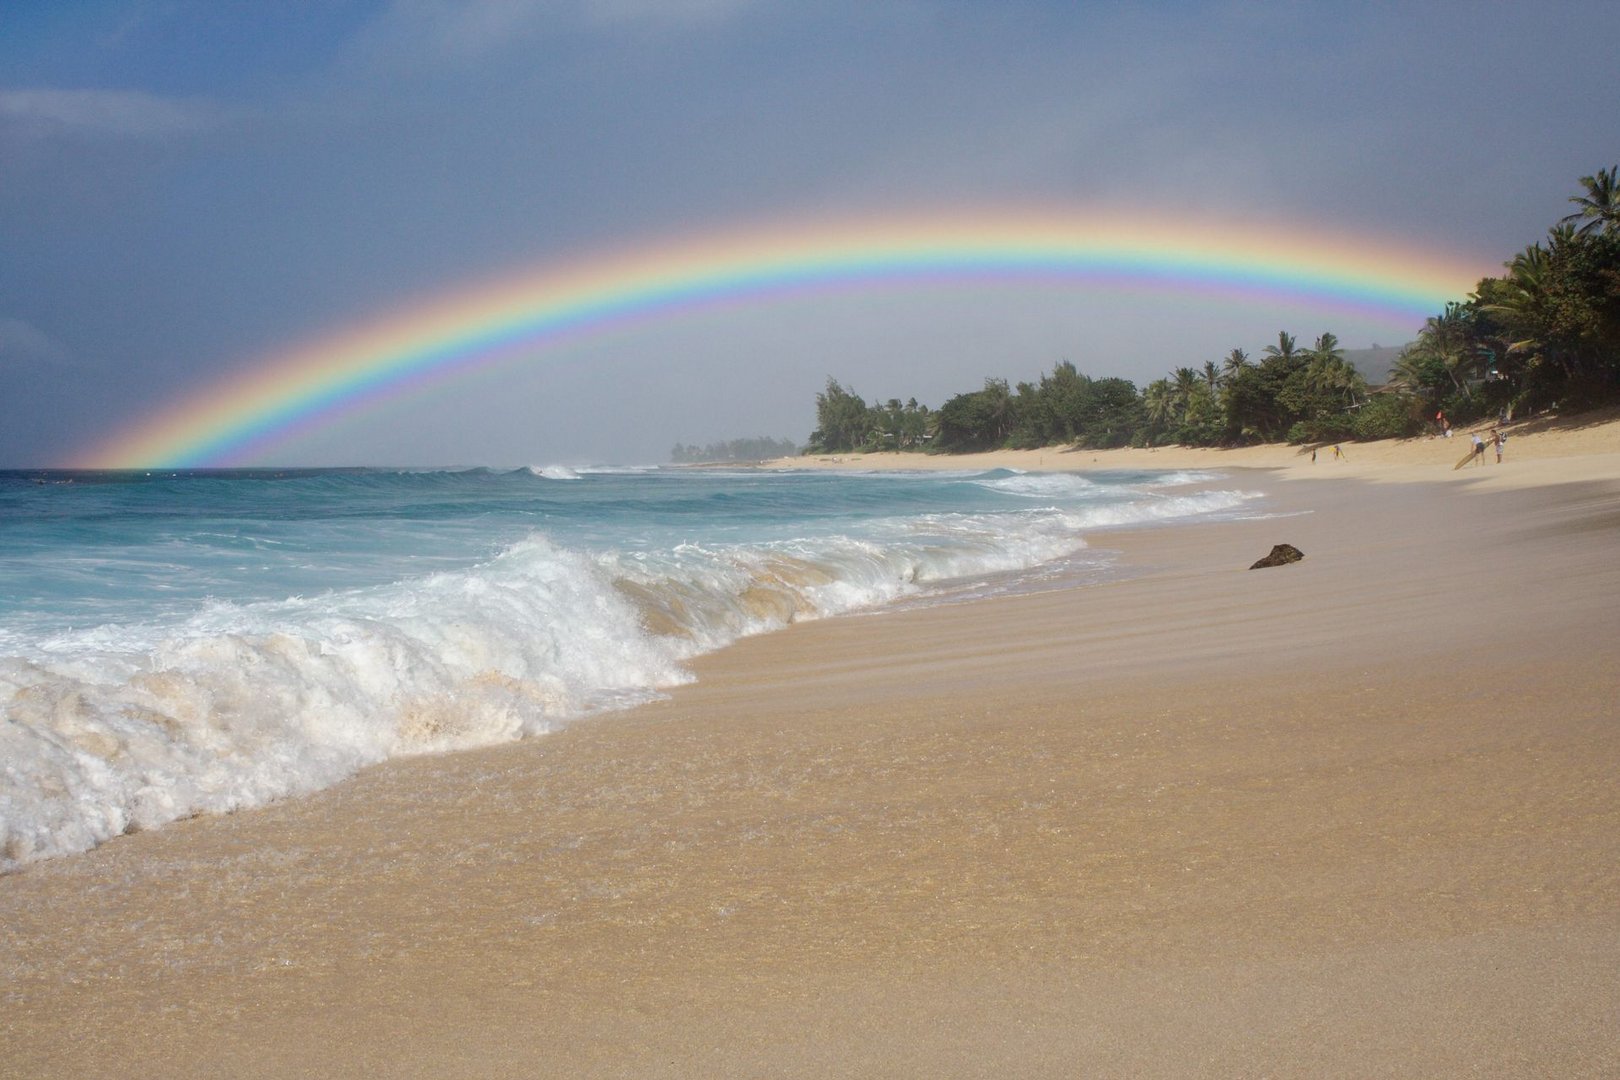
1235	361
1445	338
999	398
1327	348
1541	312
1518	300
1331	375
1186	385
1285	351
1212	375
1407	373
1158	400
1600	206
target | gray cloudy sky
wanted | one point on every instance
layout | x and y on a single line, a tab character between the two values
188	186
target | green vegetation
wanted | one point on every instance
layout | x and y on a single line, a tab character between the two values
1545	335
755	449
846	422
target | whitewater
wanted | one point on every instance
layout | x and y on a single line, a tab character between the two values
200	642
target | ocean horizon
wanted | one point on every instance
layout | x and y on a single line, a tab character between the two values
200	641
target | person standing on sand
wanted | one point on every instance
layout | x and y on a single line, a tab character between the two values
1497	439
1479	449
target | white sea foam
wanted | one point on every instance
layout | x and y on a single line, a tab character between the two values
1041	485
127	726
122	728
554	472
1181	478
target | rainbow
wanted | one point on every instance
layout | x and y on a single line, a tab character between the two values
244	417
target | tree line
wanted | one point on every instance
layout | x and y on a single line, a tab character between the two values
759	448
1544	335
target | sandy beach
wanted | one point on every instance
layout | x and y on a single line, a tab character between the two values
1355	816
1582	446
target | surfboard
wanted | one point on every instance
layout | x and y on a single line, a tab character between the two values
1466	459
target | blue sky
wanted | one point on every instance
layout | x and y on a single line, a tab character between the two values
186	187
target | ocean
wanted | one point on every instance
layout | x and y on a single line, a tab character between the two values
175	643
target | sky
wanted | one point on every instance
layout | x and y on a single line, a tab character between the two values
191	188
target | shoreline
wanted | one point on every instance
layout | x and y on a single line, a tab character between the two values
1538	451
1350	816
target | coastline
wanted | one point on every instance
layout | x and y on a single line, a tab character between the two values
1538	451
1346	817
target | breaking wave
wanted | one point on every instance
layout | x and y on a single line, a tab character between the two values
127	725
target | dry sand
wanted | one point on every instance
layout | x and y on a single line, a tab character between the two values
1580	447
1356	816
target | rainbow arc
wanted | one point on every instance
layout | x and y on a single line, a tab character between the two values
525	317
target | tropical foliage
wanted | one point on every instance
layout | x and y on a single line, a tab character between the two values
1545	334
844	421
756	449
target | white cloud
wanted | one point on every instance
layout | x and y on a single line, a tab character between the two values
469	28
24	343
107	112
622	12
414	32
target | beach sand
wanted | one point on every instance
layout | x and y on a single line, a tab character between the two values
1355	816
1584	446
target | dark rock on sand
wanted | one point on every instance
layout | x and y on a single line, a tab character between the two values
1280	555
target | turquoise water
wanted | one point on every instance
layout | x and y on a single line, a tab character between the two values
174	643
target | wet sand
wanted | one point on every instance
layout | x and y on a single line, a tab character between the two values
1354	816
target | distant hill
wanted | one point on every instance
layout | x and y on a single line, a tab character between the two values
1375	363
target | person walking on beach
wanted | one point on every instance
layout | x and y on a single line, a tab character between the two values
1497	439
